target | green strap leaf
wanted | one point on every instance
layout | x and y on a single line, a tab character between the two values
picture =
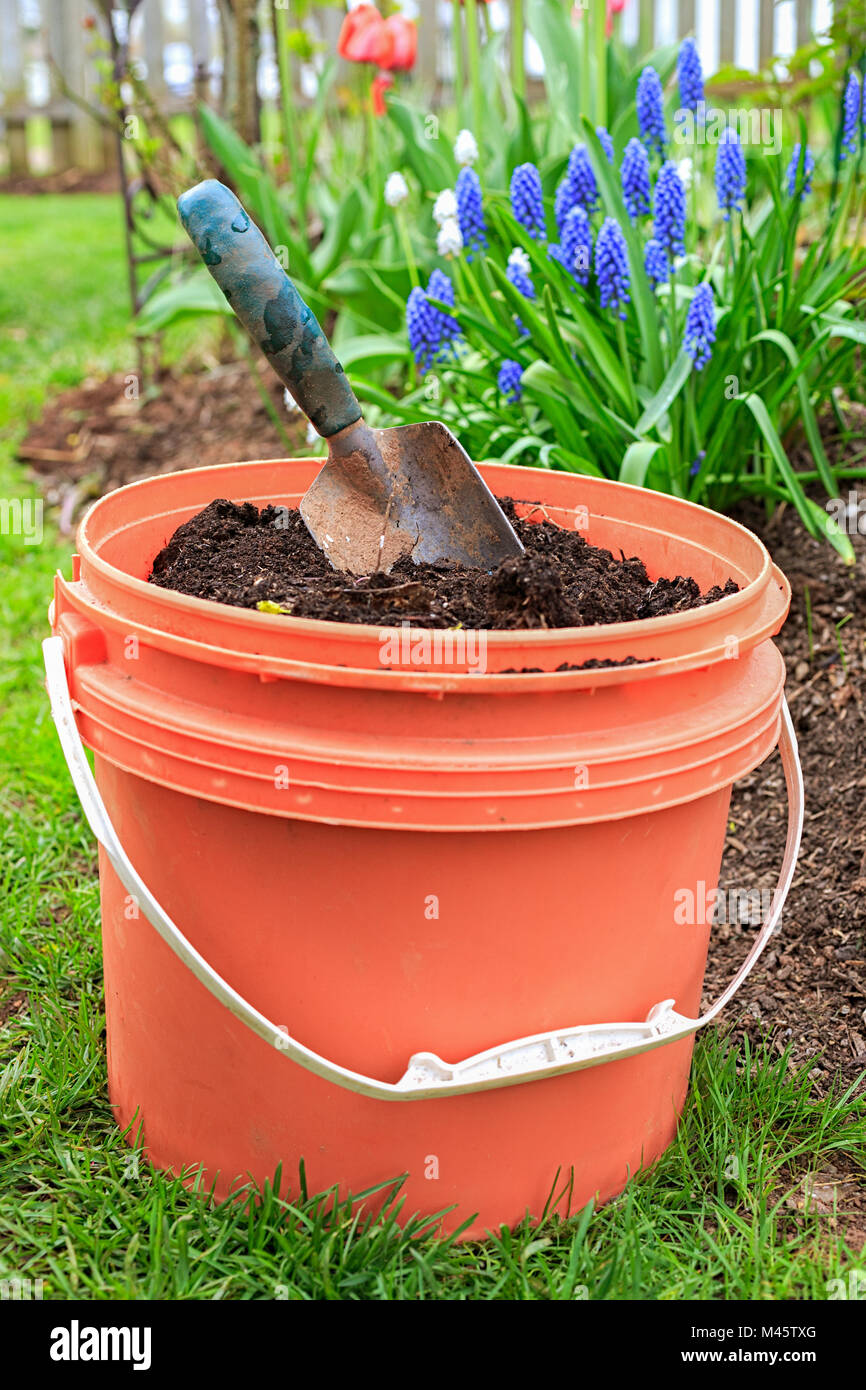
527	312
810	424
635	462
555	456
845	328
372	350
197	294
558	40
667	393
816	521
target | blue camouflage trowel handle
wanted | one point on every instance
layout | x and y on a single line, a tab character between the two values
268	305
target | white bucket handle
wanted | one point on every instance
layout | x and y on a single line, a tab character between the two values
427	1076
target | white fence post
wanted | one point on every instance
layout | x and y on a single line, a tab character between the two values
12	85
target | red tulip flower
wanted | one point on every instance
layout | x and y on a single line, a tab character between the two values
363	38
403	33
377	91
613	7
391	44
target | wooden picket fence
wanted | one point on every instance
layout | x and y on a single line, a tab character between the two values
48	66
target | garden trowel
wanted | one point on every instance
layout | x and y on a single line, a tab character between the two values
382	493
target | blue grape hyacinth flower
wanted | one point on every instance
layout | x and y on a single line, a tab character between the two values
691	76
669	211
527	202
577	188
700	331
563	202
510	380
611	267
432	332
574	252
470	214
655	262
851	115
730	173
423	330
793	168
650	110
635	175
606	142
582	178
517	272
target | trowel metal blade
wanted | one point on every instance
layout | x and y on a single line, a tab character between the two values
415	492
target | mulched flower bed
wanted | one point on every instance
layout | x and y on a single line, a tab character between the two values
809	988
95	438
233	553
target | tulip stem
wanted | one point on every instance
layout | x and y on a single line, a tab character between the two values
626	362
372	152
457	45
287	111
599	23
472	53
518	66
730	275
692	417
408	252
672	321
585	65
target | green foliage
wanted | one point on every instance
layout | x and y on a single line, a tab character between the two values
320	228
790	331
618	400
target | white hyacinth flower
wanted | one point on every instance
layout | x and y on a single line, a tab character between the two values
685	169
466	148
445	207
291	405
396	190
519	258
450	239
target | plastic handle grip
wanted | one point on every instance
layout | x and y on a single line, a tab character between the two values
427	1077
268	305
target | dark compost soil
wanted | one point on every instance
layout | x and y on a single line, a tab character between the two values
809	988
233	553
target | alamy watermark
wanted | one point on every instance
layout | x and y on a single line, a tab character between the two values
407	648
706	125
77	1343
704	907
17	1290
22	516
849	513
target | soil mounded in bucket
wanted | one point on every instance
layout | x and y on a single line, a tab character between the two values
233	553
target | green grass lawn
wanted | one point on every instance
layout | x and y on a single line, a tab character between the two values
77	1208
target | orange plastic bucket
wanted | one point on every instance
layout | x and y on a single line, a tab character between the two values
356	853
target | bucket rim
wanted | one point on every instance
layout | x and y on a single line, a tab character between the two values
641	634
